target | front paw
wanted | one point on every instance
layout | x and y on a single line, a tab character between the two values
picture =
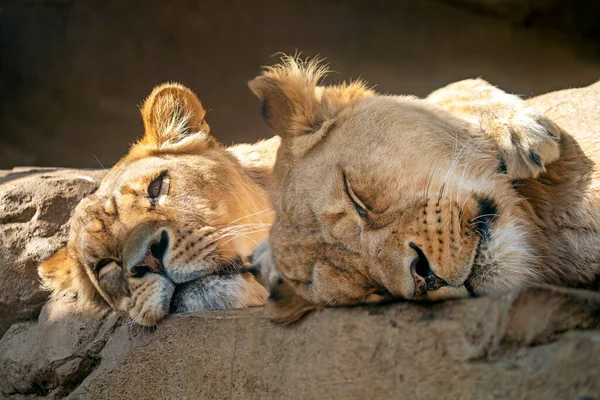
527	140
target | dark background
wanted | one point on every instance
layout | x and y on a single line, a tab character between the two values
73	72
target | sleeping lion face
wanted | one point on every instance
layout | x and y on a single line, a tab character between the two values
384	197
170	225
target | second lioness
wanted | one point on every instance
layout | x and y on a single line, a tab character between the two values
468	192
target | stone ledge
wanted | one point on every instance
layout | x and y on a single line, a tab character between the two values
35	207
510	346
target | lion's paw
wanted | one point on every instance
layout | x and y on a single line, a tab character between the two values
527	140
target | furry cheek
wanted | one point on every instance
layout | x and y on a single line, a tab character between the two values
217	293
507	262
341	226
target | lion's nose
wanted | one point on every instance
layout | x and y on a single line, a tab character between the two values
152	261
425	279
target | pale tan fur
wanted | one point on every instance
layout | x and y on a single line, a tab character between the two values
212	206
362	180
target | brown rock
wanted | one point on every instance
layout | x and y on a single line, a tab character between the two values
56	352
35	206
511	346
458	350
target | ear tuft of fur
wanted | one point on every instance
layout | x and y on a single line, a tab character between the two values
288	94
173	115
285	306
346	93
56	272
292	102
297	75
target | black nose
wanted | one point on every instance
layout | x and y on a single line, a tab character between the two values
153	260
141	270
149	264
425	279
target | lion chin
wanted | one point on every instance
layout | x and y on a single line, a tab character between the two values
172	223
382	197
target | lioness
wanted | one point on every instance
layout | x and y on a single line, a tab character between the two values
172	221
467	192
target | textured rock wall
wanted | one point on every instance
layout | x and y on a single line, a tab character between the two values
538	344
35	206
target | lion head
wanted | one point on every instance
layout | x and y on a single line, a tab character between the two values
385	197
170	225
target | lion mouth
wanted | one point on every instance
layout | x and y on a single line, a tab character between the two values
199	287
207	287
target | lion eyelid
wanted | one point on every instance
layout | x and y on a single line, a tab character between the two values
361	207
103	263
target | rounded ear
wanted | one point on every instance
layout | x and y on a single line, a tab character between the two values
294	106
288	95
171	114
56	272
275	107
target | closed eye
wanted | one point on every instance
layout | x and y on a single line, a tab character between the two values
361	207
103	263
104	266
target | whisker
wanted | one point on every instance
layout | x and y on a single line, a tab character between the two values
233	237
455	161
242	226
482	216
252	215
460	185
234	234
430	178
103	167
240	229
441	194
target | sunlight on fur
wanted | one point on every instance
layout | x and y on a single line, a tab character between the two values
173	222
467	192
380	197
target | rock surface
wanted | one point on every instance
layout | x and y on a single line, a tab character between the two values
537	344
35	206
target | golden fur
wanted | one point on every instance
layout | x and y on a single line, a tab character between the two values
467	192
171	222
459	194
